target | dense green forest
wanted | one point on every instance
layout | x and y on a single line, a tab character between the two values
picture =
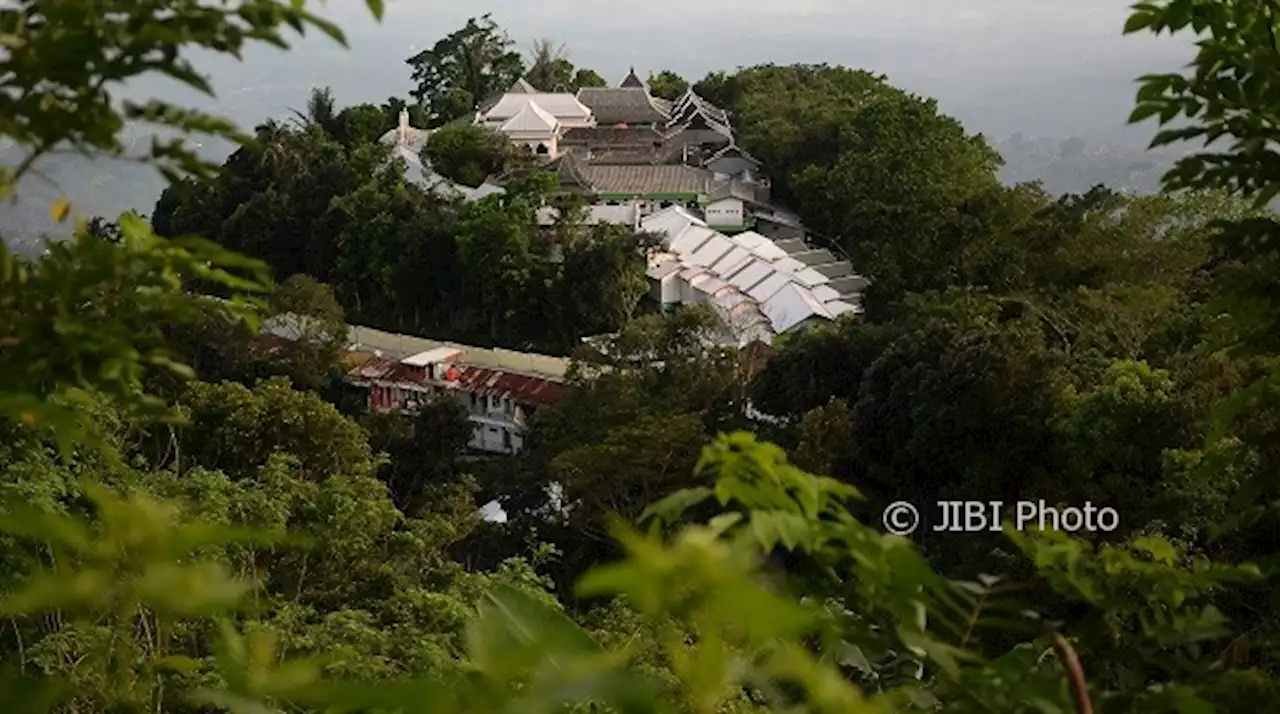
191	523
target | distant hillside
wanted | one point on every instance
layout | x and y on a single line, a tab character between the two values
1072	166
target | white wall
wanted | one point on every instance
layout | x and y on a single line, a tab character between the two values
494	427
726	212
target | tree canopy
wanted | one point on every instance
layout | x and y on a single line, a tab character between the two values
465	68
194	521
467	153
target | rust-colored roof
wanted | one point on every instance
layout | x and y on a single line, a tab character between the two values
522	388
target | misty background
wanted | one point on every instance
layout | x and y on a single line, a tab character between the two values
1049	82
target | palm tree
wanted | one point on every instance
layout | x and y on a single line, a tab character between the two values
320	112
550	70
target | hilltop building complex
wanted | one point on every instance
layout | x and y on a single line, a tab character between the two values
673	169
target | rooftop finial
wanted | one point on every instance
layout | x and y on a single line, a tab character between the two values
632	80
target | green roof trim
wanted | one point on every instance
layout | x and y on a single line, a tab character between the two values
748	223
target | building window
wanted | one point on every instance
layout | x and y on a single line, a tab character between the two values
542	149
506	439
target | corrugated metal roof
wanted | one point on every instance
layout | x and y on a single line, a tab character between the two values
711	250
746	277
526	389
367	339
690	240
671	222
752	275
732	261
769	287
791	306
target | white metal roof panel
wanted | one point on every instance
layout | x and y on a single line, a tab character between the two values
785	263
731	262
690	240
708	284
769	251
769	286
810	277
825	293
438	354
840	307
670	222
716	247
751	275
791	306
750	239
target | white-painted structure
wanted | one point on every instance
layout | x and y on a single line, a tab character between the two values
536	119
627	215
757	288
498	389
408	143
728	211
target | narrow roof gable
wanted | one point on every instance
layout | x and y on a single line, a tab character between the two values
732	150
632	80
531	119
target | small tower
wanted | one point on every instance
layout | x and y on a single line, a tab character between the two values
404	126
632	80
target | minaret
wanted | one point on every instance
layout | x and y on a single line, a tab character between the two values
404	126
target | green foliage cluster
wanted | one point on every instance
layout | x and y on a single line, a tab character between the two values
258	550
551	71
335	204
467	153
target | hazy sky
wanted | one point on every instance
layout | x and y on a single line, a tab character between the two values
1043	67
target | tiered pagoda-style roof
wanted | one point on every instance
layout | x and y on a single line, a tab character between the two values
569	173
690	102
632	81
628	103
733	150
622	105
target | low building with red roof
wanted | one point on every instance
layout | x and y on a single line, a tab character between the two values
498	399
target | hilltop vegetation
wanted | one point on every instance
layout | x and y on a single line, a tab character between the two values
194	523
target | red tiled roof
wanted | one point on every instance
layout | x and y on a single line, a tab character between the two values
523	388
